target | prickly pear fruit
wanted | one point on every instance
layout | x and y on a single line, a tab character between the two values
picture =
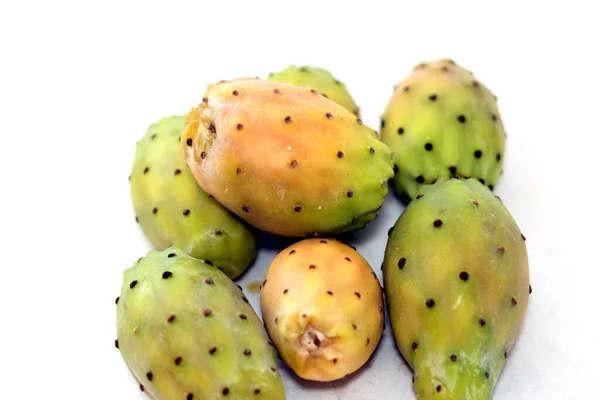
323	308
320	80
186	331
442	122
173	210
286	159
456	278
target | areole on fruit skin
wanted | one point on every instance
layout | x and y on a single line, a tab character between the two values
269	151
442	122
186	331
322	305
456	278
172	210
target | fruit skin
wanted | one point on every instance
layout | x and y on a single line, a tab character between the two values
423	125
172	305
186	217
473	265
323	308
320	80
286	159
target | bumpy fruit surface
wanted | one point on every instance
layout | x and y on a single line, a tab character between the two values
173	210
456	279
320	80
323	308
285	158
186	331
442	122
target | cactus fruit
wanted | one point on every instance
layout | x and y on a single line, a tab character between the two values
442	122
456	278
286	159
320	80
186	331
323	308
173	210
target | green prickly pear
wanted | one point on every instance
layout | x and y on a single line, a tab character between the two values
456	278
186	331
286	159
442	122
320	80
323	308
173	210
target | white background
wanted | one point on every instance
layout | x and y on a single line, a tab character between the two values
81	81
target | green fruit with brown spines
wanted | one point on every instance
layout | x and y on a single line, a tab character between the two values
320	80
172	210
442	122
286	159
186	331
456	279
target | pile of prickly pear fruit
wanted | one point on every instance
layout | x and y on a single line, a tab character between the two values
288	155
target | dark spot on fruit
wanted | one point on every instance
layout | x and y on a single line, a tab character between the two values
347	259
154	210
256	391
141	387
430	303
400	131
452	170
453	357
303	315
461	119
209	281
312	266
324	95
354	219
287	119
334	360
132	284
368	341
238	171
149	376
313	91
285	291
464	275
481	181
245	299
146	170
401	263
433	97
475	202
523	237
501	249
117	300
437	223
482	321
419	196
477	154
371	150
329	115
207	312
137	219
243	316
171	318
354	326
171	255
298	208
322	241
487	375
225	391
117	343
438	388
420	179
494	117
293	163
491	187
212	128
529	289
273	369
350	193
247	352
205	99
340	154
245	208
153	137
186	212
505	354
239	127
414	346
428	146
276	319
235	93
189	141
475	84
178	360
190	396
514	301
357	294
276	91
329	292
406	88
359	121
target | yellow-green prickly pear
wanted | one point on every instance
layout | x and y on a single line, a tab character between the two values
320	80
173	210
456	278
286	159
323	308
442	122
187	332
